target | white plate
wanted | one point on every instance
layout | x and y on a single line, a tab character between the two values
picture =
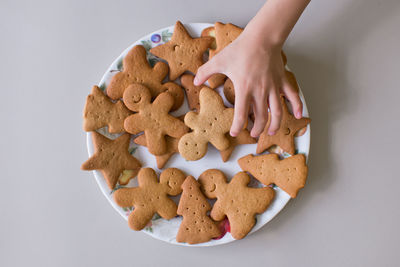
166	230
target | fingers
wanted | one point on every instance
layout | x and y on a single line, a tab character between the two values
276	112
206	70
240	112
260	108
293	96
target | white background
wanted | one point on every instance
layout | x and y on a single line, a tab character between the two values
345	54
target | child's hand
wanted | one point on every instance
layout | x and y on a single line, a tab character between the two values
254	64
257	72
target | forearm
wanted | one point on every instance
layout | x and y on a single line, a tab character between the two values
275	20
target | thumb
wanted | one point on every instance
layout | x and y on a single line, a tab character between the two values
206	71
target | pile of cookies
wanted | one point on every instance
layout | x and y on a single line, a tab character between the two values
137	105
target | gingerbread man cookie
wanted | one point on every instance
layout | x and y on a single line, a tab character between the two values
138	70
100	112
284	137
289	174
196	226
152	118
210	124
151	196
235	200
182	52
112	157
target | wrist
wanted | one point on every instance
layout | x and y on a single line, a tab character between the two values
265	38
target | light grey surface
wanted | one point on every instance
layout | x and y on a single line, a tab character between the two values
346	57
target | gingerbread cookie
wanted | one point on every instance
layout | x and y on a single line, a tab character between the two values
210	124
99	112
172	148
224	35
182	52
196	226
111	157
289	174
235	200
291	78
242	139
138	70
152	118
151	196
216	80
284	137
229	91
192	91
126	176
210	31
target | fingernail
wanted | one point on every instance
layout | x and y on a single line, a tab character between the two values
196	80
233	134
299	114
271	132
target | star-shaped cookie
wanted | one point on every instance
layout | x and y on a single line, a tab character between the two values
182	52
136	69
284	137
100	112
111	157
